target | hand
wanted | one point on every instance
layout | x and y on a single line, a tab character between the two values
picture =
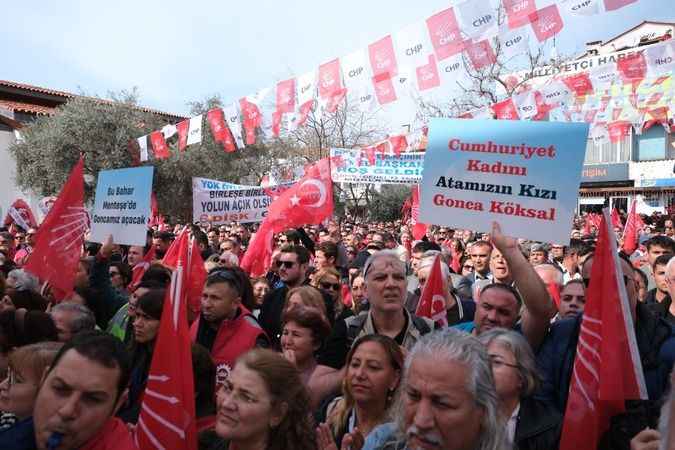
290	356
107	247
502	242
353	440
646	439
324	438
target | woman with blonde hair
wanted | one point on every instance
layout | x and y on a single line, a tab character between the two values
374	366
308	296
19	389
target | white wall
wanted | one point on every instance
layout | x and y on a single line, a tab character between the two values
9	191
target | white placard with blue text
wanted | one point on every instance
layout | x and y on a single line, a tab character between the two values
122	205
524	175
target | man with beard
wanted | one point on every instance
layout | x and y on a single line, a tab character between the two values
162	241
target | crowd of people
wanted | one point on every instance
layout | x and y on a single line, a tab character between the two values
326	350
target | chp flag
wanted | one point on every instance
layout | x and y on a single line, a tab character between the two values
607	367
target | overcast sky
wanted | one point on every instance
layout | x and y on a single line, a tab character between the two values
178	51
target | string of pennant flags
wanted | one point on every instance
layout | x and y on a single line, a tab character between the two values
628	90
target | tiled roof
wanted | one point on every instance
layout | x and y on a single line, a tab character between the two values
24	107
40	109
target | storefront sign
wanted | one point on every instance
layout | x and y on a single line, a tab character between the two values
593	173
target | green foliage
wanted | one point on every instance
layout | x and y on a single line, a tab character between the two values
386	205
101	130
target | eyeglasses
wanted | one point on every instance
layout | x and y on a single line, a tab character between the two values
328	286
286	264
225	275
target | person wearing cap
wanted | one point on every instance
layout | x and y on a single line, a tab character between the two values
225	327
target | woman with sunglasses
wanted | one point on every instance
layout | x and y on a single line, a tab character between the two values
466	266
328	280
530	423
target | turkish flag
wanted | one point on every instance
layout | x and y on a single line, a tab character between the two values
580	84
286	96
384	89
631	230
505	110
20	214
445	35
192	266
183	128
427	75
383	58
58	242
252	119
607	368
611	5
432	300
221	133
155	217
480	54
546	22
309	201
257	259
518	12
159	147
167	418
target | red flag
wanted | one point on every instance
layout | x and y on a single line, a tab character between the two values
331	90
140	267
427	75
618	130
518	12
611	5
419	229
183	128
607	368
398	144
546	22
654	116
167	418
58	242
587	227
257	259
221	133
580	84
456	263
505	110
20	214
480	54
632	68
252	119
286	96
276	123
384	89
155	217
616	219
305	109
432	300
445	34
383	58
630	231
159	147
309	201
194	270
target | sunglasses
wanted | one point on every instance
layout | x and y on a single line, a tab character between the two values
286	264
330	286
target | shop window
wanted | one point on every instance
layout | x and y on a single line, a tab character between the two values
651	145
652	199
608	152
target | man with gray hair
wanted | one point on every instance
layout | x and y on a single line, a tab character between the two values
447	399
386	289
20	280
72	318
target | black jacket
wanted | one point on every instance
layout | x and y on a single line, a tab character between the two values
539	426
